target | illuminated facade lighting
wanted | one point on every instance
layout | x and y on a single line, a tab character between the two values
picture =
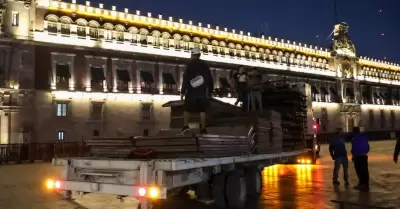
78	27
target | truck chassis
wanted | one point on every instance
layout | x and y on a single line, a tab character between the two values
124	178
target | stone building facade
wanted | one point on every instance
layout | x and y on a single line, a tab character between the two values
69	71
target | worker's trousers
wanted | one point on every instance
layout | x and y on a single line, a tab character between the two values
361	167
341	161
256	100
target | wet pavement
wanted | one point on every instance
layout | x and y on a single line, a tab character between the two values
284	186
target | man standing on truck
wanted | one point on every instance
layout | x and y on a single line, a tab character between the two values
197	86
242	82
338	151
359	150
234	84
255	83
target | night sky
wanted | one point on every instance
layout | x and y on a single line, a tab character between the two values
374	24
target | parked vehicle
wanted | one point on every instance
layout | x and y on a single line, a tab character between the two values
227	175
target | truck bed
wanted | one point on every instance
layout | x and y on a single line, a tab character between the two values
168	164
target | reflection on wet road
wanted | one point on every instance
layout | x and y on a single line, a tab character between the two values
289	186
310	186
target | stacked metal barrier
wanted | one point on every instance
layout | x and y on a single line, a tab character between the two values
291	104
280	127
171	146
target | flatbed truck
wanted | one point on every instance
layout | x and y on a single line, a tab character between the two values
229	181
232	178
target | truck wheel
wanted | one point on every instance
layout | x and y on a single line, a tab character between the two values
235	190
253	180
218	190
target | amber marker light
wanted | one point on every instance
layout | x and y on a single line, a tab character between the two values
50	184
154	192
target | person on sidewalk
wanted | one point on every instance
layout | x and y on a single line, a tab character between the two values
337	149
359	150
197	87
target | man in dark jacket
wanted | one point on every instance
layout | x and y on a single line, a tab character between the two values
197	86
338	151
359	150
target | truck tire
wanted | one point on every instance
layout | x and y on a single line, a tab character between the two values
253	180
218	190
235	190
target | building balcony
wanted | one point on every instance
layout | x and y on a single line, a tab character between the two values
218	49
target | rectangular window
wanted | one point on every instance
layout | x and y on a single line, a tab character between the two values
60	135
393	118
383	119
15	18
97	78
26	59
371	119
62	109
145	113
97	111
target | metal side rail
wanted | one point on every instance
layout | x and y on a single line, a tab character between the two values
343	204
170	164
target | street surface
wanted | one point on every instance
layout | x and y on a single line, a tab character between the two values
285	186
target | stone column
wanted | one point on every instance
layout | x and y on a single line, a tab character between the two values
215	77
357	117
72	78
343	121
114	73
341	90
53	73
132	73
357	91
104	66
88	77
181	70
138	84
4	127
160	68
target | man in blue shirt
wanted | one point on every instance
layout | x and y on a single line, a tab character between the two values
359	150
338	151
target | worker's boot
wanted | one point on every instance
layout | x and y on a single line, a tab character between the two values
185	130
